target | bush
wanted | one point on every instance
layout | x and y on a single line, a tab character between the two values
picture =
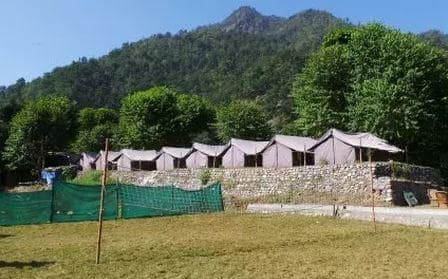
205	176
69	172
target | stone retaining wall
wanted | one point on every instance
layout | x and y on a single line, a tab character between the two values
354	179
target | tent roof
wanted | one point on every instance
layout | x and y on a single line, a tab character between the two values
249	147
176	152
111	156
210	150
90	156
363	140
139	155
293	142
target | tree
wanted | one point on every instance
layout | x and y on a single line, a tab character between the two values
95	125
376	79
47	124
243	119
320	91
161	116
7	111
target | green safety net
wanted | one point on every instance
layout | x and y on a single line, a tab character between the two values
81	203
169	200
71	202
25	208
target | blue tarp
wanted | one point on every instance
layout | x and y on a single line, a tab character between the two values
50	175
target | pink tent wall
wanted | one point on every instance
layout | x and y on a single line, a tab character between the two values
339	153
197	159
165	162
277	156
233	158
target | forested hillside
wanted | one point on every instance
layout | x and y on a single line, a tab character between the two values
248	76
247	55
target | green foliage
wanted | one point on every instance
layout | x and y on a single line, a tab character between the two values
249	55
161	116
320	91
205	176
7	111
379	80
69	172
92	178
242	119
95	125
400	170
47	124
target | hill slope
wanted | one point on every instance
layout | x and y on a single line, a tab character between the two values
247	55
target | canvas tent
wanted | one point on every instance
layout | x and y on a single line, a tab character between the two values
111	157
172	158
288	151
336	147
87	161
133	160
244	153
205	156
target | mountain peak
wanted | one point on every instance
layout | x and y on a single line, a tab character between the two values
248	19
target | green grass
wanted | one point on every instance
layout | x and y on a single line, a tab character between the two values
91	178
224	246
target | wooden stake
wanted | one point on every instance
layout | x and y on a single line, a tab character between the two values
371	190
100	215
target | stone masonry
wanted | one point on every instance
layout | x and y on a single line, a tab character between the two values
354	179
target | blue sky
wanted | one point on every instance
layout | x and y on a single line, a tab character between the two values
38	35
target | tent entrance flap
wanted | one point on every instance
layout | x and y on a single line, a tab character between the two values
180	163
214	162
253	160
298	159
143	165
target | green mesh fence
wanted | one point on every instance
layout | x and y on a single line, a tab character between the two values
169	200
70	202
25	208
81	203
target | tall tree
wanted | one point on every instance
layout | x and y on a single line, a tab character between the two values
47	124
373	78
95	125
161	116
243	119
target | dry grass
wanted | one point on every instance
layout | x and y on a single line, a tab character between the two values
224	246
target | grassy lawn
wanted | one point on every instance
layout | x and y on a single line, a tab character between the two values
224	246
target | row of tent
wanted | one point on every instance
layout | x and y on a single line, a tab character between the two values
334	147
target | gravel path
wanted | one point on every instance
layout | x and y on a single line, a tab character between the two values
425	217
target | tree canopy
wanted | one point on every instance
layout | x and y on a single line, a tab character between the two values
47	124
95	125
376	79
161	116
243	119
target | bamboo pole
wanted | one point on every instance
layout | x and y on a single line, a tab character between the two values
100	215
371	190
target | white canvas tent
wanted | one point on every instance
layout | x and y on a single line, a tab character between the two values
243	153
133	160
288	151
111	157
87	161
172	158
205	156
336	147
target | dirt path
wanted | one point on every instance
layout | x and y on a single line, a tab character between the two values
425	217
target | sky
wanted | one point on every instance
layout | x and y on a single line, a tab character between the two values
39	35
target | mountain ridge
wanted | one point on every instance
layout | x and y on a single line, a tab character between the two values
246	55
